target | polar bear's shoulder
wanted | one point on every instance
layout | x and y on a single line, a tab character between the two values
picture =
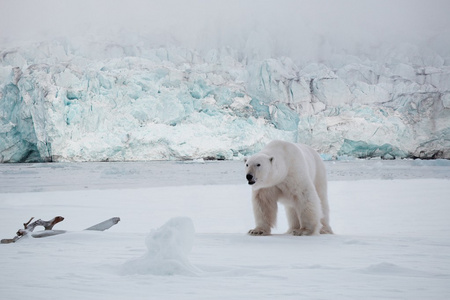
291	152
278	147
285	148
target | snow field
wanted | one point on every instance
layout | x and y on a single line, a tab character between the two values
391	242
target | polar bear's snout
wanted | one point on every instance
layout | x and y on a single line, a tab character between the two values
250	179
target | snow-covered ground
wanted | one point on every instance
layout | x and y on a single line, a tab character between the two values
390	219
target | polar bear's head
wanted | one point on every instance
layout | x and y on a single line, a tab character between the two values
258	170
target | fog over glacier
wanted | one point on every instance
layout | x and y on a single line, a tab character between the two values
147	80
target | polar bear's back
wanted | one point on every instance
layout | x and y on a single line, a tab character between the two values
298	156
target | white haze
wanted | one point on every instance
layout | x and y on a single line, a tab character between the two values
299	29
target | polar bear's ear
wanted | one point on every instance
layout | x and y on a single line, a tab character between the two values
271	159
245	159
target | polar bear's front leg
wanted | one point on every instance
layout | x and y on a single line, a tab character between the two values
265	210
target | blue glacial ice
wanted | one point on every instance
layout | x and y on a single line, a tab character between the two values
174	104
100	101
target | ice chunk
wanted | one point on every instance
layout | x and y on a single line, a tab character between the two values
168	248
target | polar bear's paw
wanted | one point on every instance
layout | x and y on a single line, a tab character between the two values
297	231
302	231
258	231
326	230
294	231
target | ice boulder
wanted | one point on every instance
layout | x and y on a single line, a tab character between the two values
168	248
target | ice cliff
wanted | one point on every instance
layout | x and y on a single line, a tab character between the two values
61	100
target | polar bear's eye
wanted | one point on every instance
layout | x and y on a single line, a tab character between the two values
258	165
246	165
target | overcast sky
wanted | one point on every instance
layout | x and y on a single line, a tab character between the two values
293	24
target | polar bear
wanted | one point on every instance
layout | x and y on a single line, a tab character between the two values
294	175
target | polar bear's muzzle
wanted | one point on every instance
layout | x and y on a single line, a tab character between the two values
250	179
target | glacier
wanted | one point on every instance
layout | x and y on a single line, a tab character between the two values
133	99
61	103
58	103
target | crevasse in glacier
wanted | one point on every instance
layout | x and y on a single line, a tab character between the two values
103	101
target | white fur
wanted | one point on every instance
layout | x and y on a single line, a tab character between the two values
294	175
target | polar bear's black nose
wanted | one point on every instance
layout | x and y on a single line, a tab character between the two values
249	177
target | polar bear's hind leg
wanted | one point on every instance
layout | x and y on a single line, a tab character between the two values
325	220
293	220
309	213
